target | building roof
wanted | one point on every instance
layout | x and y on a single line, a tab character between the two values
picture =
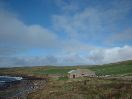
71	71
80	71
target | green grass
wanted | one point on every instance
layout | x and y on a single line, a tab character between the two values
113	69
53	71
86	88
107	69
63	78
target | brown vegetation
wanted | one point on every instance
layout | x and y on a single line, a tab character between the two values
85	88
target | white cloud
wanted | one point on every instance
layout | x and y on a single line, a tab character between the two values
88	24
14	32
92	22
27	61
39	36
123	36
95	55
67	7
110	55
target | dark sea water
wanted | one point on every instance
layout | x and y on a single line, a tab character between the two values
6	81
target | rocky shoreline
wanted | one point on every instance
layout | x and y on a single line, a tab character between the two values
20	90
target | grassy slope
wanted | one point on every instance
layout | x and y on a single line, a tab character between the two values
107	69
36	71
52	71
55	70
124	67
85	88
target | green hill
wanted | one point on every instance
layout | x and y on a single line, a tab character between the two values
118	68
124	67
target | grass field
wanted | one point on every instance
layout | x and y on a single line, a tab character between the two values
53	71
85	88
114	69
80	88
107	69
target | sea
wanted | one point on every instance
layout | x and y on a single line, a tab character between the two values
6	80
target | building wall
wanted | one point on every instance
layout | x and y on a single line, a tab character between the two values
81	75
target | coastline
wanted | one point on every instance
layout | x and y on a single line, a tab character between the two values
22	88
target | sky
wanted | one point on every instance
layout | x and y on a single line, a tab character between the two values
65	32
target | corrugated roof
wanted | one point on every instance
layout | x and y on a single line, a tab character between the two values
81	71
71	71
74	71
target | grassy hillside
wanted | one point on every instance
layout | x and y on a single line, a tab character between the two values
53	71
85	88
36	71
124	67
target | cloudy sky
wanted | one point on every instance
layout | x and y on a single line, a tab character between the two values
64	32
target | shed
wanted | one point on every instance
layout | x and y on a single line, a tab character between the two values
81	73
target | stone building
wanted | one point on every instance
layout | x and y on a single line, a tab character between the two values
81	73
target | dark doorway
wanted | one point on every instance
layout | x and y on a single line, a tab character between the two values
73	76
